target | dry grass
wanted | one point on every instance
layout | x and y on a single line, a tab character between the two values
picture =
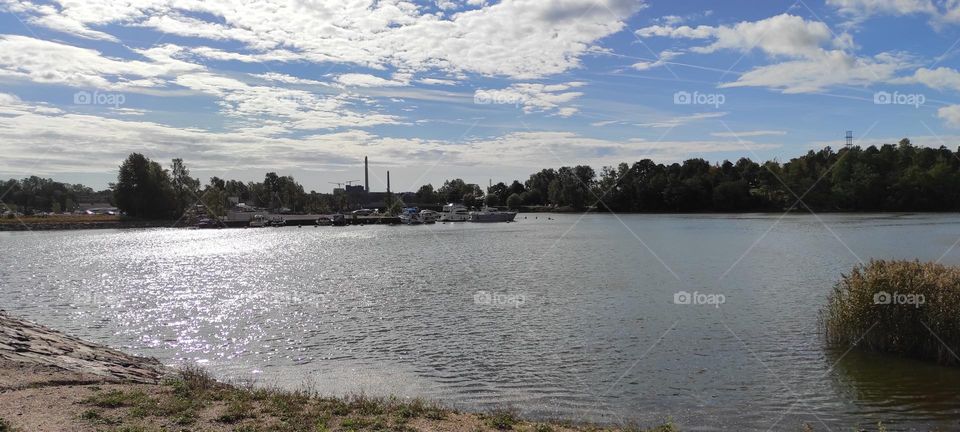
193	400
920	320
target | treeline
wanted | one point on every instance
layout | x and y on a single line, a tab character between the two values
893	177
146	189
35	194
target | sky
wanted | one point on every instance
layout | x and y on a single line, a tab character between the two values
475	89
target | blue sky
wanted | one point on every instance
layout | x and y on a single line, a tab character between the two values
475	89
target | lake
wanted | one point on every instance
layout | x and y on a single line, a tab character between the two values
576	317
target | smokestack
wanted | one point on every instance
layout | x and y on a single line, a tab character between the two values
366	175
388	182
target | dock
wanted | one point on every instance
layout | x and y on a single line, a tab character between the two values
311	220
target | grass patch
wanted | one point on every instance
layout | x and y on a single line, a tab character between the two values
236	411
96	417
118	399
907	308
502	418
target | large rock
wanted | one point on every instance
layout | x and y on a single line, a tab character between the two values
31	345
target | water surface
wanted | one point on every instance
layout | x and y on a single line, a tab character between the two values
560	316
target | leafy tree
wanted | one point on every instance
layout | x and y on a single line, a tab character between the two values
514	201
184	187
426	195
497	194
143	189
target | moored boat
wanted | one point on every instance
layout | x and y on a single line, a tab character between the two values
411	216
490	214
336	219
455	213
429	216
258	221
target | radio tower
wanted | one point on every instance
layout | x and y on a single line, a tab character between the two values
849	139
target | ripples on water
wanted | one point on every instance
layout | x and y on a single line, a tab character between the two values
391	310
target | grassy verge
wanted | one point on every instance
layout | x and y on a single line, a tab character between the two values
907	308
194	401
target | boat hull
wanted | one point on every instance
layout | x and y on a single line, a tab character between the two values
493	217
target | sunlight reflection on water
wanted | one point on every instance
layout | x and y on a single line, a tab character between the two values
392	310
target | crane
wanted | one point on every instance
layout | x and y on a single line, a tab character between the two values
348	182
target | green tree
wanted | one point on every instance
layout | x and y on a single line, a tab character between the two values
143	189
184	187
426	195
514	201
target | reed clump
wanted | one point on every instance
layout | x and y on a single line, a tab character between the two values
907	308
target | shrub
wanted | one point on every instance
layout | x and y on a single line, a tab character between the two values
502	418
902	307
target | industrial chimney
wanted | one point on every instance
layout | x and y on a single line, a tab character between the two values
366	175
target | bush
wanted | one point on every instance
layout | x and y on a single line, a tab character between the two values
502	419
902	307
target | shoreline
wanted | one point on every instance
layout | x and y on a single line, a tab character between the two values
37	224
50	381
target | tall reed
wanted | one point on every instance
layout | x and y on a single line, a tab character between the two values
902	307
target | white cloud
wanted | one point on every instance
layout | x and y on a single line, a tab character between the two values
367	80
744	134
893	7
681	120
780	35
940	13
55	63
605	123
662	59
517	38
294	109
534	97
812	75
950	114
815	58
437	81
288	79
941	78
55	142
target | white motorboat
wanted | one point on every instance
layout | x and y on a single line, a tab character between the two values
411	216
258	221
491	214
429	216
455	213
